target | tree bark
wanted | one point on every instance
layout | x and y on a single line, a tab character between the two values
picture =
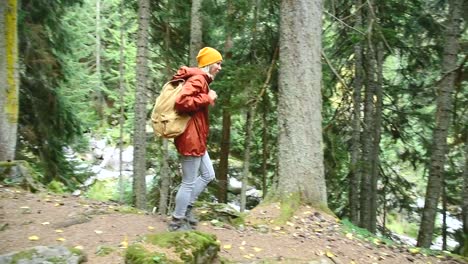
165	177
98	95
223	168
139	136
355	173
367	144
9	79
465	192
378	90
442	121
165	173
121	100
196	24
368	141
265	147
250	117
224	155
300	156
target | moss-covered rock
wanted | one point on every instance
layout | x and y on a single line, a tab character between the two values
43	254
174	247
19	173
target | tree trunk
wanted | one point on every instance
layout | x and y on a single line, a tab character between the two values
224	155
165	173
265	147
442	121
98	96
367	144
196	25
9	79
246	166
165	177
444	216
376	139
355	173
223	168
300	155
464	204
139	136
368	191
121	100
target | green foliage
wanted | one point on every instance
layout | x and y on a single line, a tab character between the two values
102	190
104	250
56	187
48	122
364	234
396	224
105	190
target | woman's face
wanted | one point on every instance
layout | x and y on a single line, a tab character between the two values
215	68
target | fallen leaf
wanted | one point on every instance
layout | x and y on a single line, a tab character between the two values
124	243
45	223
227	246
33	238
256	249
349	235
276	228
330	255
150	227
242	248
414	250
203	211
24	207
98	232
79	247
289	223
247	256
58	231
243	243
61	239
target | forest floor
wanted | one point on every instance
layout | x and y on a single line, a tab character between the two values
28	220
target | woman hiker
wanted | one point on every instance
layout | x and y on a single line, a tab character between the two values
197	168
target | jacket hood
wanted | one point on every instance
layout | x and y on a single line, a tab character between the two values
185	72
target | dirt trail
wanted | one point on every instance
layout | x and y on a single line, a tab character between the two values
96	226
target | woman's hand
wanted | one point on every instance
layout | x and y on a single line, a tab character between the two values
213	96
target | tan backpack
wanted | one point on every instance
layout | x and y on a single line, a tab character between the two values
167	123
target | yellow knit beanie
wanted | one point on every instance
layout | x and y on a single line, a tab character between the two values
207	56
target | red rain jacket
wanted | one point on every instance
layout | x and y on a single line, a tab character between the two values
194	100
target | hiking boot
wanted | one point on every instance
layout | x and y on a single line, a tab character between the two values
177	224
191	219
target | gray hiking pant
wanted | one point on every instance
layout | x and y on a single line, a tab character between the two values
197	173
